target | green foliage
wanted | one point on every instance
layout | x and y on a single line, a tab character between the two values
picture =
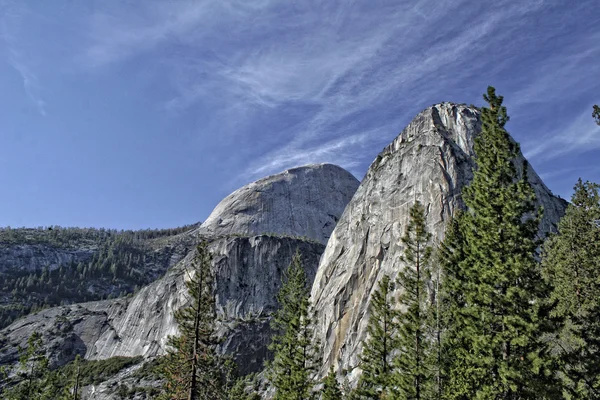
495	344
293	344
412	375
450	302
596	114
192	366
34	380
244	388
73	238
331	389
111	264
376	360
571	264
94	372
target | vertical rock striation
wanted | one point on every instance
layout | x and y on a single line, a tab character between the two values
304	201
297	209
430	161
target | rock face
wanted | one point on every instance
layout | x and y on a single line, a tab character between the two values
301	207
36	257
305	201
70	265
430	161
248	273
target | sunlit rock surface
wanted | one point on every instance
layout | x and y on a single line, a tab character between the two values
430	161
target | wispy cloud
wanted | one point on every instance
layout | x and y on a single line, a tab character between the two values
349	74
564	71
358	73
115	36
580	135
12	13
30	82
345	151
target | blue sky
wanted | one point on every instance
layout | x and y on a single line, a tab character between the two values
135	114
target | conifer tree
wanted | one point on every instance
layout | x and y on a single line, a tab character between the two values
451	302
240	389
596	114
376	360
33	363
35	380
295	359
413	375
192	367
77	377
331	389
571	264
497	351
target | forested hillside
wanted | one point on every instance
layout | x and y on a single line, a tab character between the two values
51	266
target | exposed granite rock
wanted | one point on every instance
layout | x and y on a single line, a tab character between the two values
430	161
36	257
248	272
137	387
304	201
32	253
248	264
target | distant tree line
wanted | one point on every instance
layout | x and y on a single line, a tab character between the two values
119	263
58	236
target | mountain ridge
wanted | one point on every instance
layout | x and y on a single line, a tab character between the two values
430	161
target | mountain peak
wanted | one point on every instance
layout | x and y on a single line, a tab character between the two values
430	161
301	201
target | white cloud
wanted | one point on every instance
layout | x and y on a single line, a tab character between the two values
340	60
11	13
345	151
30	83
360	72
114	37
579	136
564	71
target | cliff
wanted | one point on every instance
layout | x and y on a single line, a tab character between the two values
430	161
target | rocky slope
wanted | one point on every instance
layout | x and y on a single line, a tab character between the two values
301	205
248	272
305	201
46	267
430	161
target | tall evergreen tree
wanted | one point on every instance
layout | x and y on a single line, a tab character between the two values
192	367
331	389
413	373
571	264
376	360
596	114
451	302
295	358
497	352
244	388
34	365
35	380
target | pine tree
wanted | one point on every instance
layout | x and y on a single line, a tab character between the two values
33	364
596	114
331	389
35	379
376	360
295	359
240	391
77	377
571	264
451	302
192	367
497	351
412	376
